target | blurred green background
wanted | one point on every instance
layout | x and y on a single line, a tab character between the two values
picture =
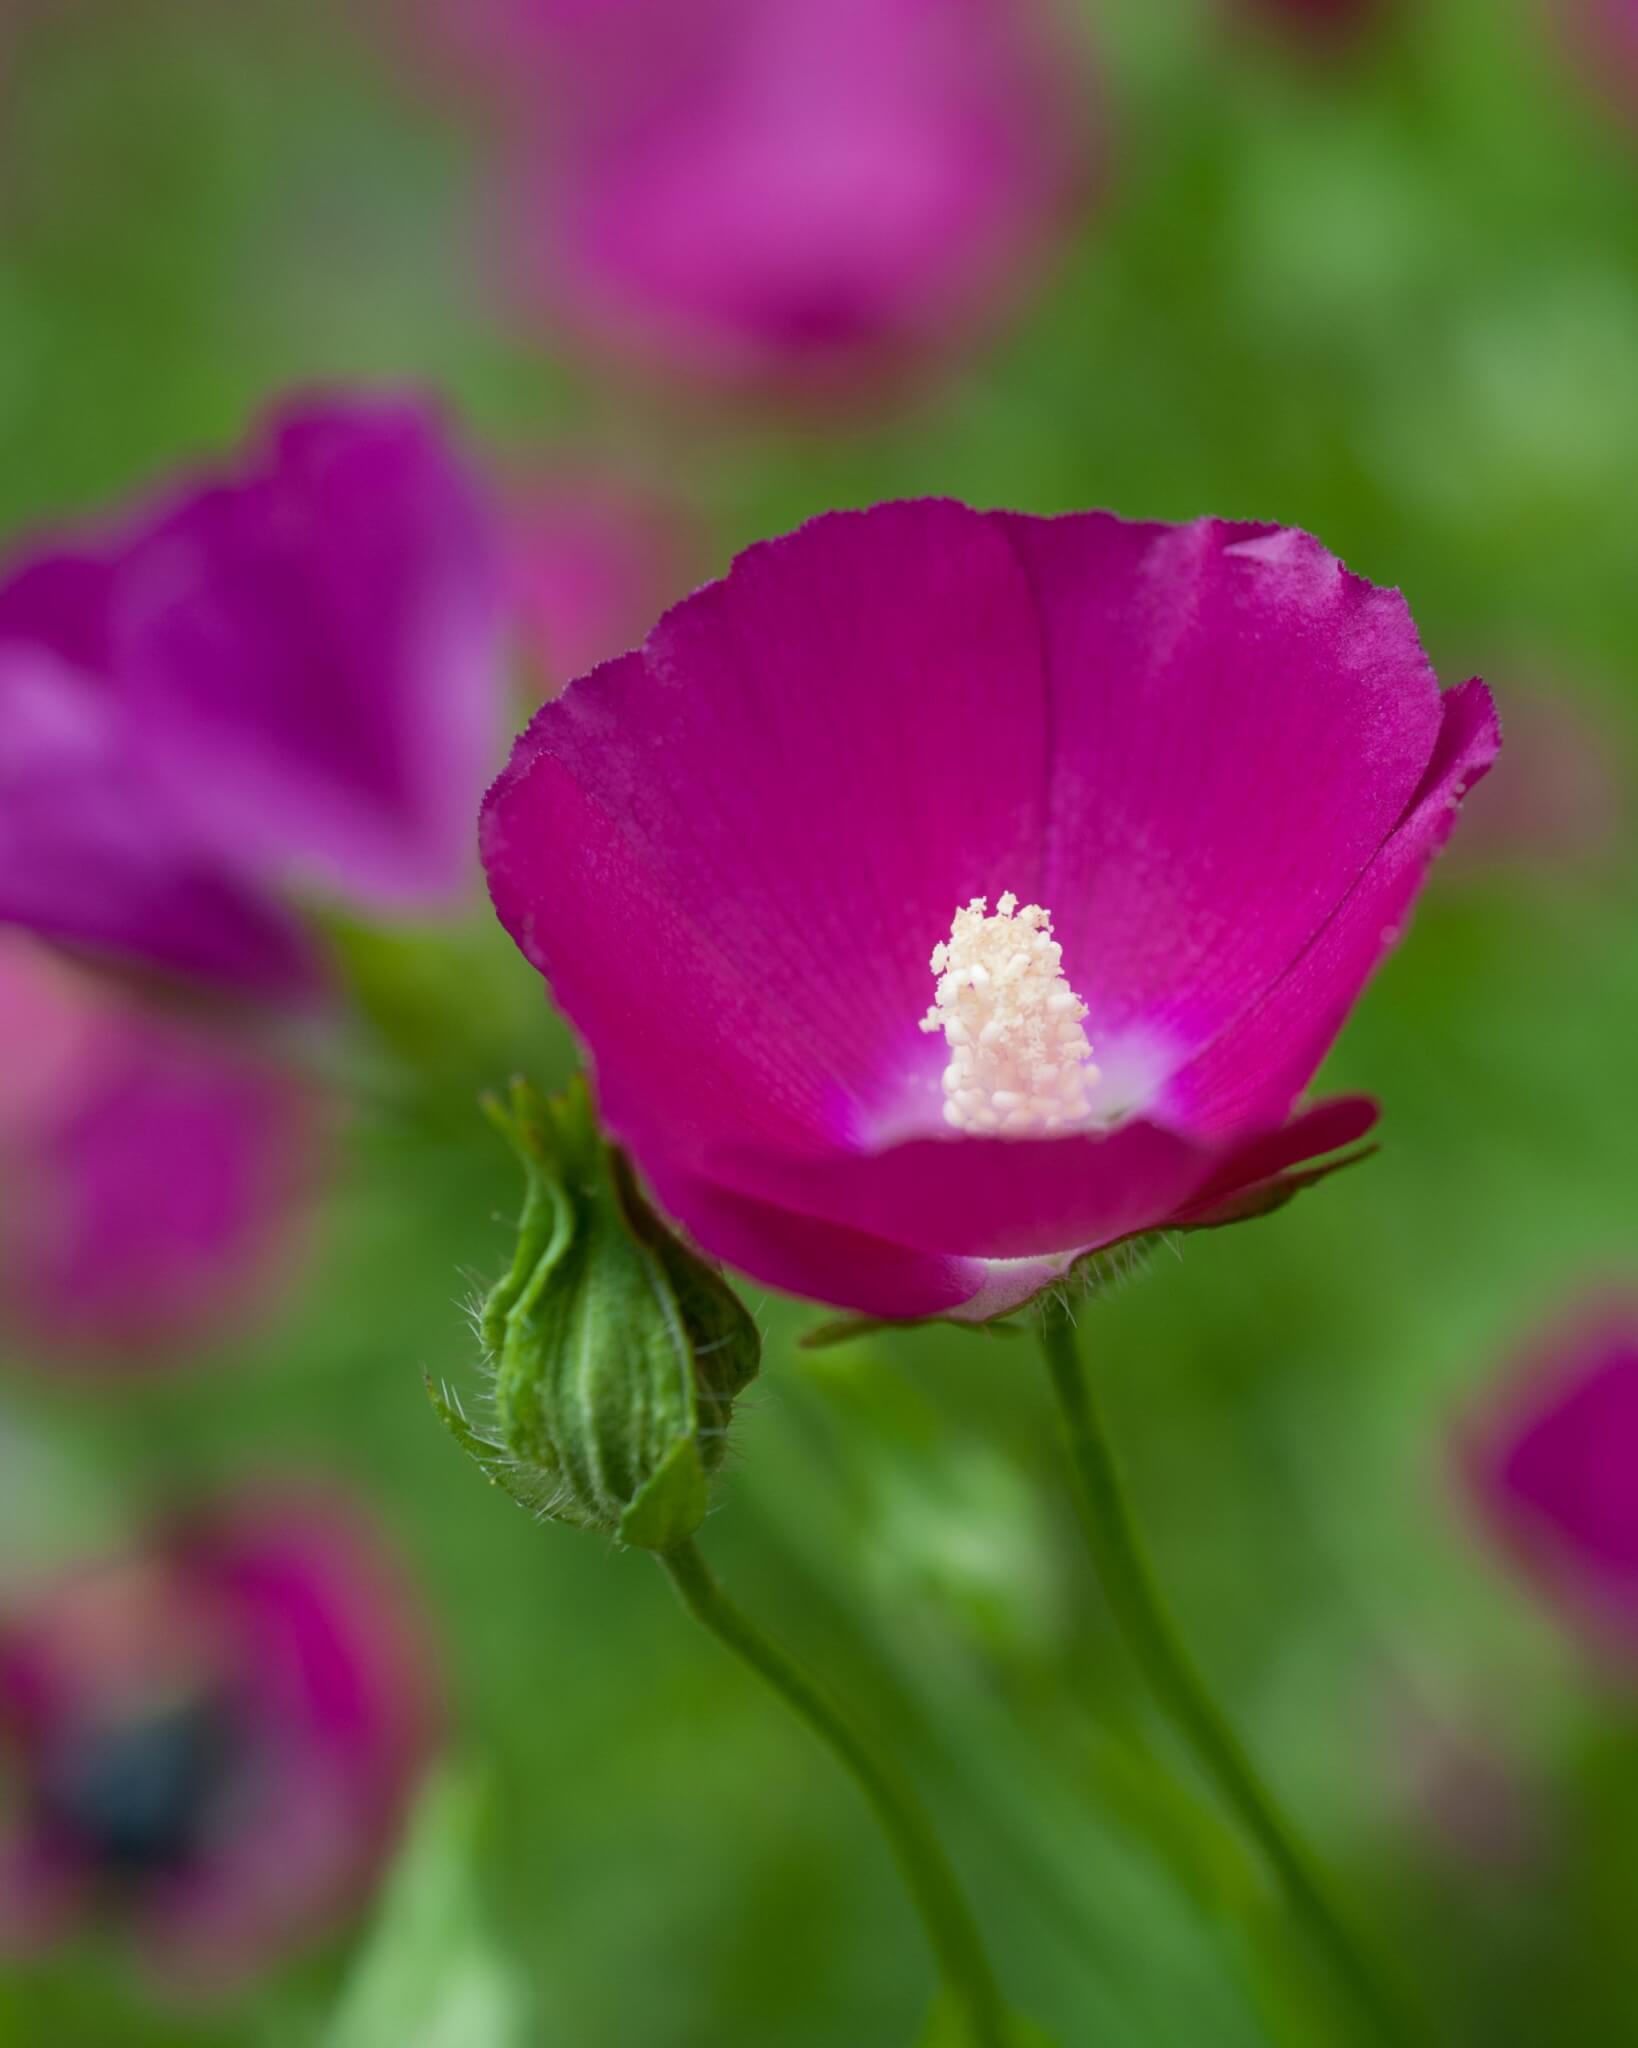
1391	296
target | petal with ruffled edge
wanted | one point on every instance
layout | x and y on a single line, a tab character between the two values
1251	1074
1237	722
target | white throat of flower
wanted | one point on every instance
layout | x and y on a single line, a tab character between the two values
1019	1059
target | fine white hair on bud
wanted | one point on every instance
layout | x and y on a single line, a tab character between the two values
1020	1062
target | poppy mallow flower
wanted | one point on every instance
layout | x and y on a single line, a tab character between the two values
154	1175
276	681
945	895
210	1742
1550	1465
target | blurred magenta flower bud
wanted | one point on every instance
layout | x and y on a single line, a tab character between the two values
152	1174
1552	1465
212	1742
281	679
794	193
589	563
617	1352
945	896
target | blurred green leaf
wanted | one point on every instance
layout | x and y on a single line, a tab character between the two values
430	1974
947	2028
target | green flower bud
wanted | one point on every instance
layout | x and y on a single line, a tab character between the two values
617	1352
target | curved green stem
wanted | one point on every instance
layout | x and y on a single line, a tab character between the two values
1182	1692
969	1982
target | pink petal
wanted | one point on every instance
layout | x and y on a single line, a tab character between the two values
918	1230
803	1255
734	853
1237	724
1253	1072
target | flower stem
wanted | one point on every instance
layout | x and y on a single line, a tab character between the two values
969	1982
1182	1692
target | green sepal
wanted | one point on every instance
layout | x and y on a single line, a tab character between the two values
671	1505
491	1457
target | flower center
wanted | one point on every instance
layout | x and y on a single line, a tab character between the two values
1019	1059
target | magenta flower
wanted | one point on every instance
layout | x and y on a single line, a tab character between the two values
772	866
787	191
151	1175
213	1741
1551	1467
284	680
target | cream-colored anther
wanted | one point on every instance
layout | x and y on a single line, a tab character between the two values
1020	1063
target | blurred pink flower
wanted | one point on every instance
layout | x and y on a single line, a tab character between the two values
151	1174
589	565
1551	1465
1216	759
284	679
213	1741
785	192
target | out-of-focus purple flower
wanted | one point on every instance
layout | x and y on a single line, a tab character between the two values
151	1174
1551	1466
787	192
589	564
284	679
95	849
213	1741
1213	760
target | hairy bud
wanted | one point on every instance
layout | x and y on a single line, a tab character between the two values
617	1351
